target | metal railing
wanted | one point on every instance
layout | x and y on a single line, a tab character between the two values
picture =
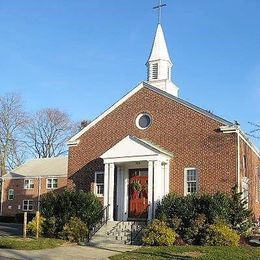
134	232
103	220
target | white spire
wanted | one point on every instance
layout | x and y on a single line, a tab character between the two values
159	65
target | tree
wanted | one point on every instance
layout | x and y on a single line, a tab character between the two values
12	121
48	131
255	133
84	123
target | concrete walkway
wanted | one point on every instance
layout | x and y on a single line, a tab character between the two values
65	253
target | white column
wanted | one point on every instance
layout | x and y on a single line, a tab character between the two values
150	189
106	173
119	193
111	187
125	192
167	178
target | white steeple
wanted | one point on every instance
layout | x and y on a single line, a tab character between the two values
159	65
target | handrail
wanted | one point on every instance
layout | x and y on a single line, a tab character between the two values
95	228
133	237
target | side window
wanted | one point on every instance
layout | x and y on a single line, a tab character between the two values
190	181
10	194
52	183
99	184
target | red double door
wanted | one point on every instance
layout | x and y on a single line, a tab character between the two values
138	193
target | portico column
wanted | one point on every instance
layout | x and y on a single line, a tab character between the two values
111	191
150	189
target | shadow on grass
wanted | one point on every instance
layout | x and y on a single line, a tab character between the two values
160	254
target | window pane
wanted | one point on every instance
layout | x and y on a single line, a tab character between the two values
49	183
54	183
100	189
100	178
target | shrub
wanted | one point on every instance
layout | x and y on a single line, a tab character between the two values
158	233
75	230
221	235
32	226
58	208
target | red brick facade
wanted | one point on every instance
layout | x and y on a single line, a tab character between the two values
194	139
14	206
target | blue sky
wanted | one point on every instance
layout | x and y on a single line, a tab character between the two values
81	56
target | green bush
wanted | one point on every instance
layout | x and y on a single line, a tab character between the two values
191	215
32	225
59	208
221	235
158	233
75	230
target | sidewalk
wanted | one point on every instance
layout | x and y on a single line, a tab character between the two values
64	253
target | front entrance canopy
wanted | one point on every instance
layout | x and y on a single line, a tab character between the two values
123	154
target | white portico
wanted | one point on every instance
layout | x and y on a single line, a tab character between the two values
128	162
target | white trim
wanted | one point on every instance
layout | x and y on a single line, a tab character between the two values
95	185
185	179
32	177
9	194
28	205
138	118
52	188
74	141
29	180
2	197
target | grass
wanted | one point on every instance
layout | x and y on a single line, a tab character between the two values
192	252
28	243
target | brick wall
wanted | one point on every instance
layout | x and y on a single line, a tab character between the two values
12	207
248	168
193	138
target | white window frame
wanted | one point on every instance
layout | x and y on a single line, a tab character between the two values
186	181
28	205
8	194
96	185
30	184
51	188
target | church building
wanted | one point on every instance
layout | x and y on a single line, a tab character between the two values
151	143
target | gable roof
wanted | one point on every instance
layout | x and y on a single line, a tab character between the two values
57	166
74	140
132	146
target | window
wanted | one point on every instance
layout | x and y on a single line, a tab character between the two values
143	121
257	183
244	162
27	205
29	184
52	183
245	190
10	194
99	181
155	71
190	181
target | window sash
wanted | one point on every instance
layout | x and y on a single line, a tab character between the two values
52	183
28	184
99	184
10	194
191	181
27	205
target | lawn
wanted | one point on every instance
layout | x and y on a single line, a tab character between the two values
192	252
19	243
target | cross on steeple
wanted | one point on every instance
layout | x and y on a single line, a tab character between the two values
159	7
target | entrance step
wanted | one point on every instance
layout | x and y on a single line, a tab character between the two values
119	233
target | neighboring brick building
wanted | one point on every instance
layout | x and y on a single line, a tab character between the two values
151	143
22	188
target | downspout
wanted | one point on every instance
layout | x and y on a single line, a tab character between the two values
238	161
2	197
39	191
